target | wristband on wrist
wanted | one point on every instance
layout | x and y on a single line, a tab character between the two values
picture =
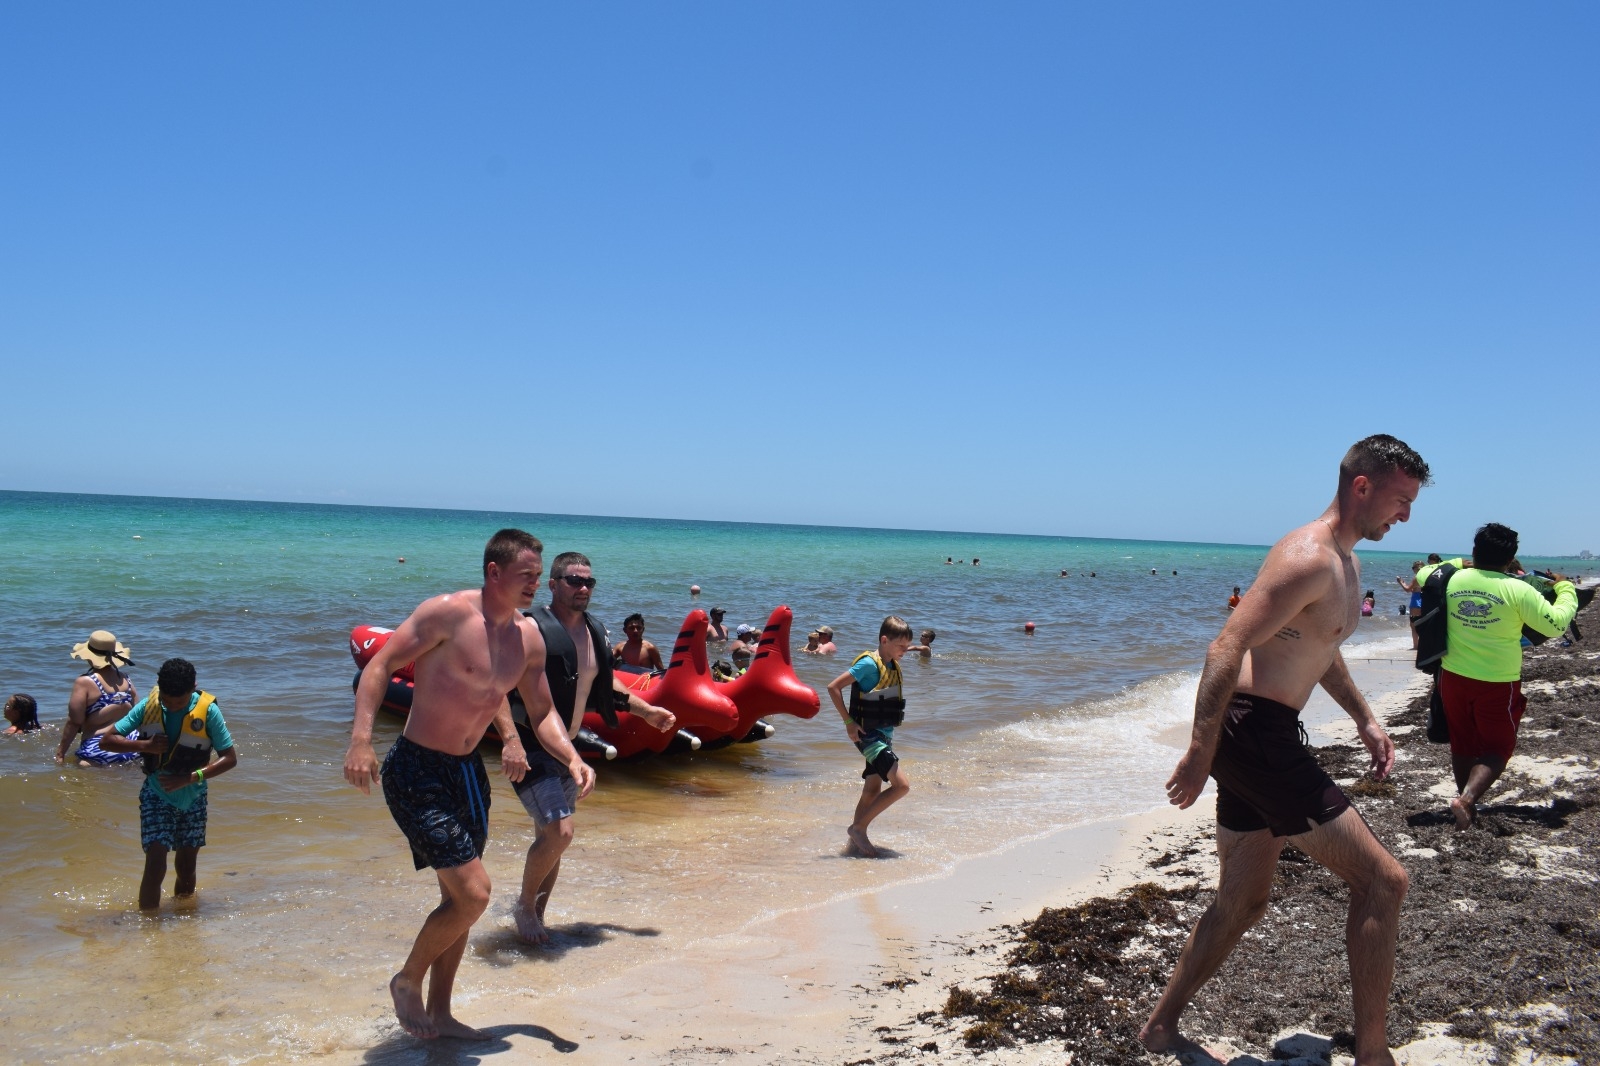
201	774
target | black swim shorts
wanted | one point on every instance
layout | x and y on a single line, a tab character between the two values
874	747
1266	779
440	802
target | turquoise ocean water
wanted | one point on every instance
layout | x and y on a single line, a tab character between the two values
307	892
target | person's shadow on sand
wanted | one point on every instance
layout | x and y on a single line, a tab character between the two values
1301	1049
503	947
1494	817
402	1049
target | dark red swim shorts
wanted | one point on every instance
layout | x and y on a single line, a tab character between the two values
1483	716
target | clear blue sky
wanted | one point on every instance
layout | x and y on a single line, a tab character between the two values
1097	269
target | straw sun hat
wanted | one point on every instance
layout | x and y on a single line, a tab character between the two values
101	650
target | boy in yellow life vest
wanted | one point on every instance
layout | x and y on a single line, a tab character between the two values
186	744
876	707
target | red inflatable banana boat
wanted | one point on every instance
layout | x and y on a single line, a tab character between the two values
770	685
706	710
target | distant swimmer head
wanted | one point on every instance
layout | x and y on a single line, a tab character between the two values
825	632
101	650
745	631
717	613
22	711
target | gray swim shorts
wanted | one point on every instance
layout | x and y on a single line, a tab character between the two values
547	790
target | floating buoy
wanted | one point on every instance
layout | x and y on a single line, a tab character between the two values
694	590
1027	627
137	537
401	559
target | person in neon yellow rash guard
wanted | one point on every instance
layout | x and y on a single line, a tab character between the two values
1480	676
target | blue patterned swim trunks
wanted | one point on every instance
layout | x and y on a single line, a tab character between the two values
440	802
162	823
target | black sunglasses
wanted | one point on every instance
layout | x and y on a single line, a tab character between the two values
575	582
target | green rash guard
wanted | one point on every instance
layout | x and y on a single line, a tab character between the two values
1487	610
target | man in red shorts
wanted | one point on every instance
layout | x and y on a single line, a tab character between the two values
1281	642
1480	677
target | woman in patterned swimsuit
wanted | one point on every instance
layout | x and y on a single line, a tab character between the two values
101	696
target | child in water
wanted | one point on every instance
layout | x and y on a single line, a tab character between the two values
925	649
186	744
1368	601
22	712
876	708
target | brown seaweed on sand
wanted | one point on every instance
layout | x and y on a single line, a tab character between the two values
1498	935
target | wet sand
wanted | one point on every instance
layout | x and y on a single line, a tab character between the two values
812	985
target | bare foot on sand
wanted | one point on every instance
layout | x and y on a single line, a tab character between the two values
530	926
1465	812
408	1008
859	841
1160	1040
452	1029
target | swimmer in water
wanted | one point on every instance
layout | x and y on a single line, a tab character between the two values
22	714
636	651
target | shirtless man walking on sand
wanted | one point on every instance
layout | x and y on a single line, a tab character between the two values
1280	643
470	649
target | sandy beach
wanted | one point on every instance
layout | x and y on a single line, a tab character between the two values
1495	960
821	984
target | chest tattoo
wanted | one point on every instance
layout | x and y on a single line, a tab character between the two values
1288	633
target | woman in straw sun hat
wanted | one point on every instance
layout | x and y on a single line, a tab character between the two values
101	696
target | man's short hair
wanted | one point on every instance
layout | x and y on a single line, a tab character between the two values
929	635
1493	546
504	547
176	676
566	561
1379	455
894	627
632	618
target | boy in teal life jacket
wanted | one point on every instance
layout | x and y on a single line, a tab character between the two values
186	745
876	707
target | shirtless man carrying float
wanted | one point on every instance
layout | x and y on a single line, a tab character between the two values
1281	642
470	649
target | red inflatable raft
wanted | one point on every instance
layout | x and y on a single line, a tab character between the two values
710	713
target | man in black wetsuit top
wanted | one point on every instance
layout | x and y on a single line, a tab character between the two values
1278	644
578	668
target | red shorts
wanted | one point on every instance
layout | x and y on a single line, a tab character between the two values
1483	716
